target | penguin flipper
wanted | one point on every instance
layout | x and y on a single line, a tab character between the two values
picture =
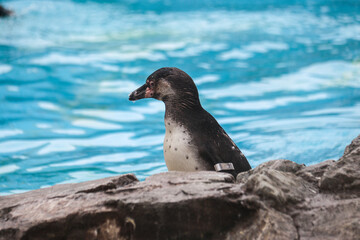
212	158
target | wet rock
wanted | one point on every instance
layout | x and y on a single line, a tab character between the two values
277	200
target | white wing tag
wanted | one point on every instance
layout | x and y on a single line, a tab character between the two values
223	167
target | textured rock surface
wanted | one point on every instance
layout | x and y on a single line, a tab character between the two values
344	174
277	200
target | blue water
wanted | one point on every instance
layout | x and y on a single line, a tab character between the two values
283	79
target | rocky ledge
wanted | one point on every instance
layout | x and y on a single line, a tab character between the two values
277	200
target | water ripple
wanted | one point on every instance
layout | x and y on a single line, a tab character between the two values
5	69
314	77
112	115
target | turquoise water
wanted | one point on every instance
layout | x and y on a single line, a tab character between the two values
283	79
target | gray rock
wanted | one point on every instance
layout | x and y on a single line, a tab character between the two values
279	165
264	224
344	174
328	217
313	173
278	189
277	200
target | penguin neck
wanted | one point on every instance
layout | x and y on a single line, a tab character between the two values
181	109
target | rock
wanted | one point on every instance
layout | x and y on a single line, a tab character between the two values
265	224
277	200
344	174
314	173
278	189
328	217
166	205
279	165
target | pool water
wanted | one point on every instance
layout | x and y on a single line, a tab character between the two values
283	79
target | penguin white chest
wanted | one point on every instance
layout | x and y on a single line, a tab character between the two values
179	153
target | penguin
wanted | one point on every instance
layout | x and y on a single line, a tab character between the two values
194	140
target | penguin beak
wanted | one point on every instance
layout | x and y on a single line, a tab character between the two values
139	93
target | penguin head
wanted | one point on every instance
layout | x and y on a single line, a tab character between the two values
168	85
